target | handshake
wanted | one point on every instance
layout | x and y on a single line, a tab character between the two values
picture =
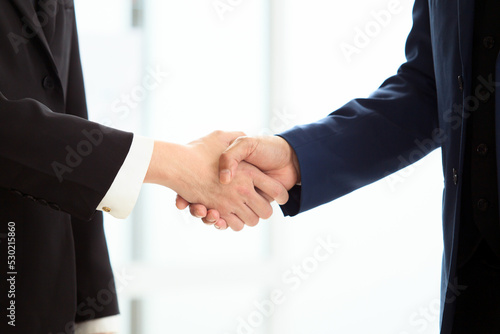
227	179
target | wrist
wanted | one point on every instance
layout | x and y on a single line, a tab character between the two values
164	166
295	162
291	158
154	173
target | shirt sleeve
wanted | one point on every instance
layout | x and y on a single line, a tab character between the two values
121	197
106	325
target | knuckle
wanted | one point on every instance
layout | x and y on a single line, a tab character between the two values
250	173
241	140
244	191
224	157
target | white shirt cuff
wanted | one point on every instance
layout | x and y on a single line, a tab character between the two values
124	191
109	324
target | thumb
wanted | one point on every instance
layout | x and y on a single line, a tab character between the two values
238	151
230	137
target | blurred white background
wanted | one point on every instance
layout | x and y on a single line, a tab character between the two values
262	67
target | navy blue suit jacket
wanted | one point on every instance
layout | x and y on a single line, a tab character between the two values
419	109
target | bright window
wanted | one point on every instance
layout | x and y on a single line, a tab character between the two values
262	67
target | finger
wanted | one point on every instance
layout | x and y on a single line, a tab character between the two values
239	150
198	210
181	203
221	224
212	217
263	194
247	215
271	187
235	223
259	205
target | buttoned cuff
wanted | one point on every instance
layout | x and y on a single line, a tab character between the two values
124	191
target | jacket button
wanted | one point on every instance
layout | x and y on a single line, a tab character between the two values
482	204
455	176
48	83
483	95
482	149
489	42
460	83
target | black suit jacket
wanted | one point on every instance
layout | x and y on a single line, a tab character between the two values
55	167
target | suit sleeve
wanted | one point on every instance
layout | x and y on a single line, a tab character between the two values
57	159
368	139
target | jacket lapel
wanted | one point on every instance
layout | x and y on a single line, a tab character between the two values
29	18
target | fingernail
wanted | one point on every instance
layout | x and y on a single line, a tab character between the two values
225	176
211	220
217	227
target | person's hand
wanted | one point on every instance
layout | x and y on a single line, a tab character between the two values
192	171
271	154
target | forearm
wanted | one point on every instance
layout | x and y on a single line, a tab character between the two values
359	144
63	160
367	139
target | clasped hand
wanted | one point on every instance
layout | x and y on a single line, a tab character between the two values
233	192
192	171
